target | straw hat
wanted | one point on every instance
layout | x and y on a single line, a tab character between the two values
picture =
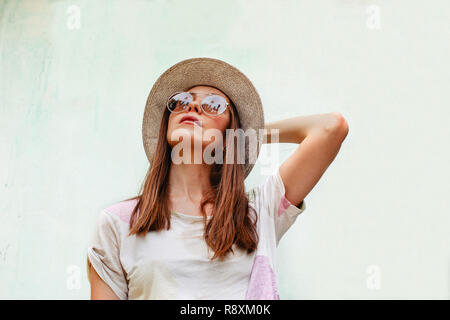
210	72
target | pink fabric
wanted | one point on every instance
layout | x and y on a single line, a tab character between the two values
262	284
284	204
122	209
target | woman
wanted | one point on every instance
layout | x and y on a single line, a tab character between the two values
194	232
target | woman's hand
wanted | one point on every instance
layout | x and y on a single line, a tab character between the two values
320	137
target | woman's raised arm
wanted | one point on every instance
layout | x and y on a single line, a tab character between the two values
319	137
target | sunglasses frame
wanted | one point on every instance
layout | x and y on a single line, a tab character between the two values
201	103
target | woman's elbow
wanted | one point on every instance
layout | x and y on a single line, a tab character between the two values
338	127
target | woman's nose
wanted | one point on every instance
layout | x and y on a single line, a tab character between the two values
194	106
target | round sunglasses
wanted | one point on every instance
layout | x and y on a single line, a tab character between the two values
212	104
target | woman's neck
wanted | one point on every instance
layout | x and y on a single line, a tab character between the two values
189	181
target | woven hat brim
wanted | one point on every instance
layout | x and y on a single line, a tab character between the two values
203	71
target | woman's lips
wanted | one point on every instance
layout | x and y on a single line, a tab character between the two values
196	122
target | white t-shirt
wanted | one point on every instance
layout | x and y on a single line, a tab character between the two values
175	263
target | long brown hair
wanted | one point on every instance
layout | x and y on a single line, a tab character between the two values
231	222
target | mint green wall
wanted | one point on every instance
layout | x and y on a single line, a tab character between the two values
71	105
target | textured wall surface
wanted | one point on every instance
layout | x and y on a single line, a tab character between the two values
74	78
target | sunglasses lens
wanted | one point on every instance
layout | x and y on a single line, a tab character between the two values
214	104
178	102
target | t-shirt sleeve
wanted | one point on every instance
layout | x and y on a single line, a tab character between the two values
273	200
104	255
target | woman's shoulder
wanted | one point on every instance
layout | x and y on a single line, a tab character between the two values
121	210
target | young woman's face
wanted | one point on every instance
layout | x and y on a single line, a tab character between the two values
176	128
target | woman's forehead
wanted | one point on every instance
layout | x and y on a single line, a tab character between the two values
208	89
